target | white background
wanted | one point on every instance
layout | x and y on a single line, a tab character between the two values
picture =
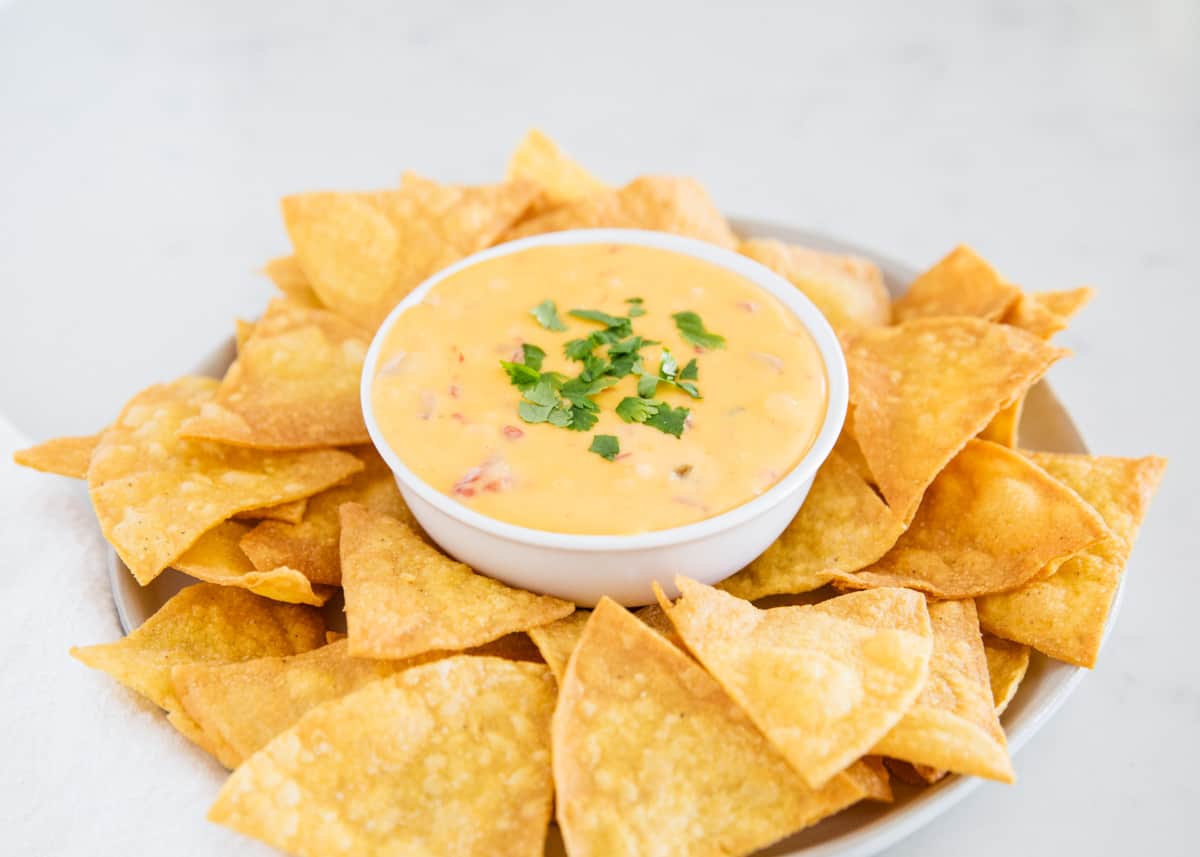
143	147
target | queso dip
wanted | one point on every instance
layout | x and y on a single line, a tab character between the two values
701	390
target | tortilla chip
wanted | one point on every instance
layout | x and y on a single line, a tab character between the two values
363	252
1003	427
842	527
960	284
62	456
1046	313
558	639
1064	615
823	683
287	276
922	389
990	522
652	757
204	623
156	493
242	332
1007	663
561	180
311	546
848	291
404	597
658	203
448	758
217	558
294	385
953	723
291	512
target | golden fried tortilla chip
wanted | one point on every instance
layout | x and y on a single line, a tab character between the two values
960	284
842	527
1046	313
242	332
311	546
294	385
848	291
287	276
1007	663
556	640
452	757
560	179
204	623
156	493
922	389
291	512
989	522
659	203
652	757
824	683
62	456
404	597
953	723
363	252
217	558
1064	615
1004	426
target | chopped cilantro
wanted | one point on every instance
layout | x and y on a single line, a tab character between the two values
533	356
623	364
602	317
635	307
582	419
691	328
689	388
544	392
546	314
636	409
522	376
667	366
579	349
606	446
647	386
532	413
668	420
691	371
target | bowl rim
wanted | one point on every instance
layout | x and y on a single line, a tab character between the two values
796	479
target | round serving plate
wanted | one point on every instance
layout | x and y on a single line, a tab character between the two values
869	827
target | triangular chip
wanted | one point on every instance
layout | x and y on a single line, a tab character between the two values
448	758
558	639
287	276
404	598
559	178
155	493
203	624
1007	664
291	512
294	385
659	203
991	521
922	389
651	756
217	558
1064	615
1004	426
363	252
824	683
1046	313
62	456
960	284
953	724
311	546
848	291
842	527
243	330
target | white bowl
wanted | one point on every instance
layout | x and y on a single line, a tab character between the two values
582	568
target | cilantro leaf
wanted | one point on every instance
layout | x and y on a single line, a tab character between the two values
689	388
647	385
543	393
667	366
578	388
532	413
593	367
560	415
602	317
579	349
582	419
638	410
533	356
606	446
522	376
546	314
635	309
668	420
691	372
691	328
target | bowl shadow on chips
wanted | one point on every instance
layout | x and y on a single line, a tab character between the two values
867	827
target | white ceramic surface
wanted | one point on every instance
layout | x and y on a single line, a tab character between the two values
584	568
867	828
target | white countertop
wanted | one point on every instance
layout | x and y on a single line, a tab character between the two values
143	146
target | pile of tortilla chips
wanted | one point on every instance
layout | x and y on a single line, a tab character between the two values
932	556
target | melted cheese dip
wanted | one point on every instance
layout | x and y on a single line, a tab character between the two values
449	410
